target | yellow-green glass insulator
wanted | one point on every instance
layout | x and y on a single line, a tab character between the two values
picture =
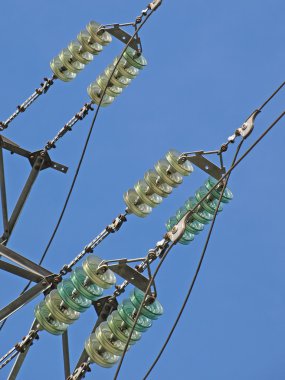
184	168
202	215
111	90
59	309
146	194
128	313
125	69
168	174
227	195
60	71
79	53
95	92
104	279
85	285
152	310
47	322
108	340
155	182
209	204
97	353
72	297
69	62
103	38
121	330
116	78
135	204
88	43
134	58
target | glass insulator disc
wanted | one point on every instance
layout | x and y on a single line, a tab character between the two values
47	322
88	43
125	69
147	195
111	90
79	53
151	311
136	205
209	204
202	215
193	226
85	285
104	280
121	330
134	58
155	183
95	93
184	168
98	354
68	61
72	297
108	339
187	237
227	196
60	71
168	175
128	313
102	38
59	309
116	78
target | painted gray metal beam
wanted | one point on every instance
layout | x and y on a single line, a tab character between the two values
28	275
65	350
3	193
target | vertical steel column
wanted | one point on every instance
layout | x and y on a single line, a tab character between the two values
3	193
65	349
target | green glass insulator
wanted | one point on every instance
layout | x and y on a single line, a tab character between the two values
116	78
102	37
89	43
184	168
171	223
128	313
227	196
111	90
168	173
135	204
60	71
98	354
152	310
59	309
187	237
108	340
69	62
79	53
47	322
125	69
209	204
95	93
201	216
146	194
121	330
134	58
155	182
193	226
71	296
85	285
105	279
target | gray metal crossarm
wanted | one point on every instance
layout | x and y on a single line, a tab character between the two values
28	275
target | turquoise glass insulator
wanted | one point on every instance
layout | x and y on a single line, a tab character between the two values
134	58
187	237
108	340
147	195
152	310
89	43
72	297
111	90
105	279
135	204
69	62
155	182
168	173
227	195
202	215
125	69
98	354
128	313
193	227
47	322
184	168
95	92
79	53
85	285
100	36
209	204
122	330
60	71
59	309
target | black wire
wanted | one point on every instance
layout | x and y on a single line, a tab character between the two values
184	304
82	156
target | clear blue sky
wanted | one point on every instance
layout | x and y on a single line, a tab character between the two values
210	64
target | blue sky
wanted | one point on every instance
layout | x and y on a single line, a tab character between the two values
210	64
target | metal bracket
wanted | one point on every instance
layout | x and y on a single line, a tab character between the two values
247	127
206	165
124	37
155	4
